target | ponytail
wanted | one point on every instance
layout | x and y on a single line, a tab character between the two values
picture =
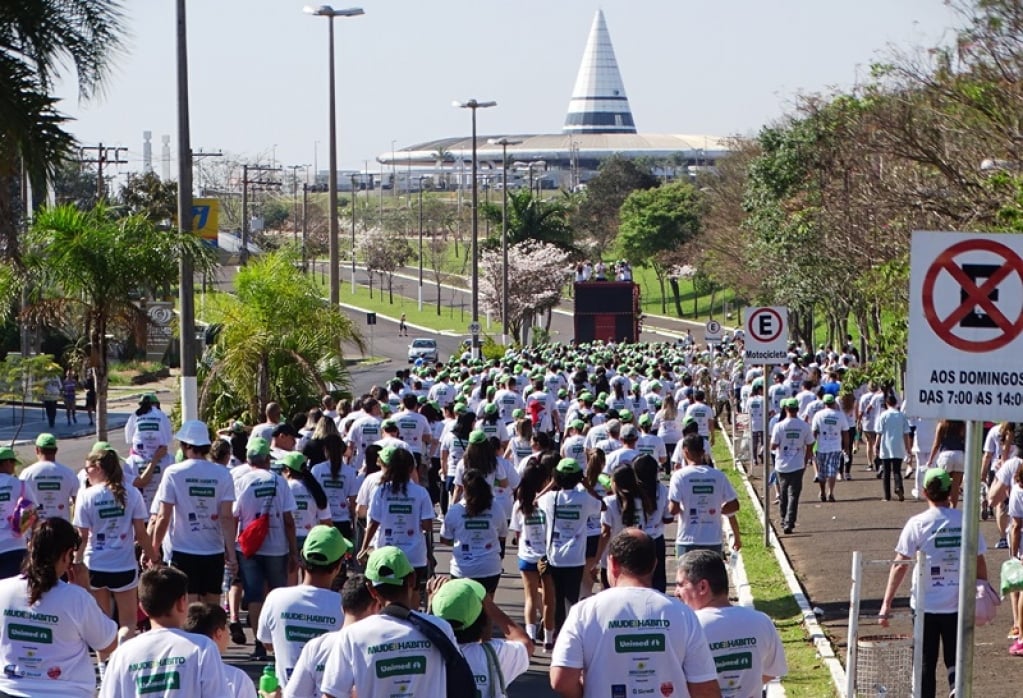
314	487
110	464
50	541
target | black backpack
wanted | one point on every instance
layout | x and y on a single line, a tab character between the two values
459	678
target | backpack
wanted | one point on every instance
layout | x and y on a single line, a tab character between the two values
459	679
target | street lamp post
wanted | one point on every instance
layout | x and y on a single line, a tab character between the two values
353	235
504	143
473	105
421	178
330	13
186	297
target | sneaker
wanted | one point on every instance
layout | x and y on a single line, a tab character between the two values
915	492
1013	634
831	498
848	476
548	647
259	653
237	633
1016	650
787	529
1002	544
823	498
902	497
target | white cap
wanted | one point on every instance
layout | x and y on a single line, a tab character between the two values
194	433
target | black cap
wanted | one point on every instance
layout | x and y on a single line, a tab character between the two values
285	429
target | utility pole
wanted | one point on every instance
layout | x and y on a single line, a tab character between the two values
305	227
110	156
294	195
199	155
243	256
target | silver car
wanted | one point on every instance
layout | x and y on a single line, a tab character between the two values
425	349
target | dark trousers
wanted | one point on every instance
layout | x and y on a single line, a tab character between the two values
660	580
51	411
938	628
567	581
891	469
791	485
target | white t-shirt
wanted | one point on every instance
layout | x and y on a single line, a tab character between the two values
792	435
307	675
755	406
111	545
475	541
10	491
239	685
259	492
828	425
306	513
746	647
701	414
1007	471
152	430
338	489
291	617
532	533
134	466
412	427
652	445
45	648
512	659
701	492
938	532
364	432
620	456
51	486
196	488
165	662
400	516
455	448
568	511
632	641
575	447
384	656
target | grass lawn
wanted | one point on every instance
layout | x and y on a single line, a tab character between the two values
807	677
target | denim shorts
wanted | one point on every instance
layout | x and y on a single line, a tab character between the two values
261	573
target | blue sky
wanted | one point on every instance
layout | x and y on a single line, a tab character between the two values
258	68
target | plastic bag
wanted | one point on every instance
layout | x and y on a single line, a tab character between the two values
1011	576
987	603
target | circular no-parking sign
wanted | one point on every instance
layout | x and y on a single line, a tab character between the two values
974	296
765	325
713	327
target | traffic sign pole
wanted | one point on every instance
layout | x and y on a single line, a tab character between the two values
767	457
970	497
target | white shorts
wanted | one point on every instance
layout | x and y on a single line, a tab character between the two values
951	461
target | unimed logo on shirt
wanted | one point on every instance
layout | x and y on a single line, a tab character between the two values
200	491
399	508
29	633
740	661
477	525
301	633
948	542
567	514
261	492
703	489
653	642
111	512
158	683
44	486
401	666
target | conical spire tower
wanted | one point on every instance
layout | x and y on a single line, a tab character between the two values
598	103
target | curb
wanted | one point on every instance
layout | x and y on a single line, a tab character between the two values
820	640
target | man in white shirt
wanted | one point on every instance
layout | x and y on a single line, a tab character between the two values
273	418
755	406
700	495
631	639
831	430
747	648
792	442
292	616
894	440
364	432
626	453
50	485
165	659
376	655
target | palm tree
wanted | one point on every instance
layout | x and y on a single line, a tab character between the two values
86	267
532	218
37	38
277	337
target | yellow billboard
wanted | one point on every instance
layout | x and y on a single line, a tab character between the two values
205	219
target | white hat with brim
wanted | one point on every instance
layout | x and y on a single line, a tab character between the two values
194	433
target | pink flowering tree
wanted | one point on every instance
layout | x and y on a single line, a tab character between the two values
537	272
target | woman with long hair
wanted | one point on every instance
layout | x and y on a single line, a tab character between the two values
338	481
668	424
110	519
66	615
655	491
529	525
948	452
474	528
628	506
400	514
313	447
592	481
490	423
312	507
479	456
452	449
566	506
520	445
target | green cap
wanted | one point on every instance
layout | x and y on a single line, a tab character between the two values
518	413
600	405
828	399
646	420
930	476
562	393
257	446
46	441
388	565
421	400
791	403
459	602
387	454
7	453
388	424
293	460
325	545
491	408
577	424
568	465
625	416
385	408
101	446
461	408
477	436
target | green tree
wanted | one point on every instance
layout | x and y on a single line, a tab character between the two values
530	218
654	222
597	214
278	339
90	265
37	39
150	196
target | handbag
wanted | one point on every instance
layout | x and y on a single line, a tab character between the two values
251	539
24	515
543	565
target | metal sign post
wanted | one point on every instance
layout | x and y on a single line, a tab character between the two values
968	563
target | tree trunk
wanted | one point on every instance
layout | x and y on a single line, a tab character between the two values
98	348
369	275
713	296
673	280
664	293
547	321
263	383
438	297
390	288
